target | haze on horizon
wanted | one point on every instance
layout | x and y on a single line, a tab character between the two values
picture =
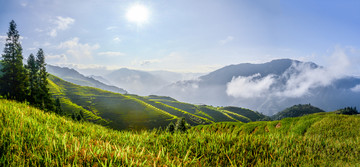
185	36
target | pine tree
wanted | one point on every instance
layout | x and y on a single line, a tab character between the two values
13	81
46	101
33	80
58	109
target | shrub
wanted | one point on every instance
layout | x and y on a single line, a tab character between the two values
348	111
171	127
181	125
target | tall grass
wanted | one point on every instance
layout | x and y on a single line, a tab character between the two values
30	137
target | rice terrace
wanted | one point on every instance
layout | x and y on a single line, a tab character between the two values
179	83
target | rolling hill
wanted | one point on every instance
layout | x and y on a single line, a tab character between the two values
75	77
296	111
31	137
209	112
120	111
127	111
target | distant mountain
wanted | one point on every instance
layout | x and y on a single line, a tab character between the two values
101	79
270	87
75	77
172	77
224	75
135	81
296	111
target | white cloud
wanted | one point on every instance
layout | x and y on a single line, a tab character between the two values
111	28
308	78
111	54
78	50
148	62
41	45
117	39
57	58
31	49
249	87
299	79
39	30
226	40
89	66
3	39
23	4
356	88
61	23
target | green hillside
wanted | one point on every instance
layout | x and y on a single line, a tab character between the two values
205	111
31	137
191	118
296	111
253	116
120	111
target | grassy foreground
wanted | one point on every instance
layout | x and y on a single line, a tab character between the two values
30	137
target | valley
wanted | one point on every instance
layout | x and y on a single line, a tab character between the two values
179	83
127	111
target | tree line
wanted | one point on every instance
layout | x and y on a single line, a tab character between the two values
25	82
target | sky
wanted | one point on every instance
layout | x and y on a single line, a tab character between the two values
185	35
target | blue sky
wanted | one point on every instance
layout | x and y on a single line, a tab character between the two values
186	35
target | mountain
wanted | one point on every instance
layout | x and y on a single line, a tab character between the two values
30	137
135	81
75	77
127	111
100	78
224	75
296	111
172	77
270	87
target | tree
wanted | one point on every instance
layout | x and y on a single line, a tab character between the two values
181	125
78	118
348	111
33	80
13	81
73	116
58	109
82	115
46	101
171	127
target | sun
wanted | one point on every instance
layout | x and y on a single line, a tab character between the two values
138	14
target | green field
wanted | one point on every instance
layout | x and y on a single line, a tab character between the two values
126	111
31	137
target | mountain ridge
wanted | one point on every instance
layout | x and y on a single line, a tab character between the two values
269	87
75	77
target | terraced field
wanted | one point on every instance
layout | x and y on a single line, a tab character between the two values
126	111
31	137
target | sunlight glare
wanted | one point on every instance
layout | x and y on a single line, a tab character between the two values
137	13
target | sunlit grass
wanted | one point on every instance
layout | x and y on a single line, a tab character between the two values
30	137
